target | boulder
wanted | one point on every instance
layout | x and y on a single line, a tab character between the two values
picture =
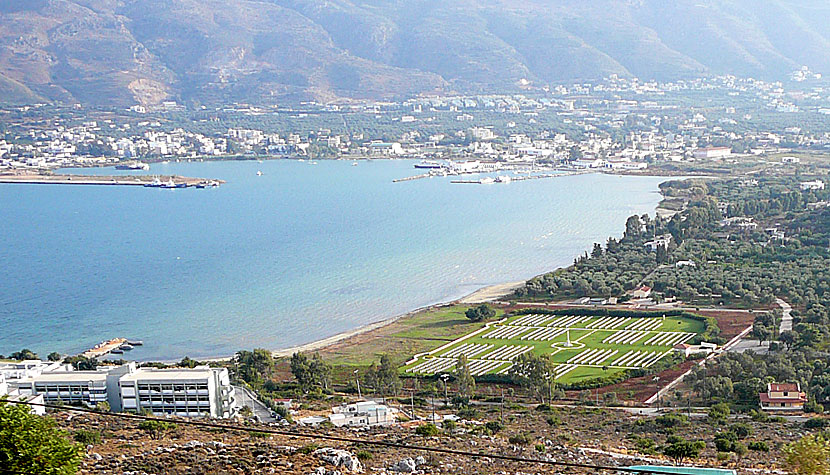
339	458
407	465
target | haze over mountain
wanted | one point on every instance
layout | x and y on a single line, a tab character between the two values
122	52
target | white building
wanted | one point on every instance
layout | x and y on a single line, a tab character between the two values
663	241
197	392
812	185
713	153
363	414
386	148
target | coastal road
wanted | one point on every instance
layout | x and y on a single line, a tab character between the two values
246	397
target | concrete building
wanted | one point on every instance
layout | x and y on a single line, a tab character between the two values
812	185
713	153
363	414
196	392
659	241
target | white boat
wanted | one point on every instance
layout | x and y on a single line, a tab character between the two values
156	183
487	181
503	179
354	164
259	173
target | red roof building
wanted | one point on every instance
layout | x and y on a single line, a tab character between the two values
783	397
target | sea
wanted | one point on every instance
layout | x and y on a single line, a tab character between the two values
303	251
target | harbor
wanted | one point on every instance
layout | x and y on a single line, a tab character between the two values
147	181
521	171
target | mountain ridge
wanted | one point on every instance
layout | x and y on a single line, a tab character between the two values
122	52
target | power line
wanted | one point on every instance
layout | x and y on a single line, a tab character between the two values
336	438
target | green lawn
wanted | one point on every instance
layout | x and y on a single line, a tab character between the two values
600	346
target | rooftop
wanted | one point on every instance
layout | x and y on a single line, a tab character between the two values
168	374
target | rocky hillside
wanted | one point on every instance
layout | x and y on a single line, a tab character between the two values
120	52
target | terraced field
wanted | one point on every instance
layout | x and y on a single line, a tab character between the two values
581	347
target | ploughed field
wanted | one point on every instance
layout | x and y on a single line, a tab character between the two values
581	347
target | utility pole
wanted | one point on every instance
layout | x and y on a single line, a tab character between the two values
502	405
444	378
432	398
357	379
412	403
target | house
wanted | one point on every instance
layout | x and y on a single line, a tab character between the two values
641	293
363	414
713	153
790	160
660	241
812	185
688	350
35	402
783	397
681	264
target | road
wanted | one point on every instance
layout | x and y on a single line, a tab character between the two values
786	317
245	397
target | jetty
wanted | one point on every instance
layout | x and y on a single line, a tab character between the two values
104	348
111	180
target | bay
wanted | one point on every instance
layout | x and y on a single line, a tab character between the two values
302	252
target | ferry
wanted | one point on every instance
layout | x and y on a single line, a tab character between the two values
428	164
133	166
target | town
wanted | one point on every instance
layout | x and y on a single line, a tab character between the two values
615	124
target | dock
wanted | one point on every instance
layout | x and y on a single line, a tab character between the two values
114	180
104	348
410	178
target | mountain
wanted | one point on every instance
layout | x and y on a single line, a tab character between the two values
122	52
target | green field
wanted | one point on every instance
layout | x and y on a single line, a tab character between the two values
581	347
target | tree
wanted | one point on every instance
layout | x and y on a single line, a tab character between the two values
253	366
31	444
480	313
385	376
787	337
24	354
310	372
82	363
633	228
156	428
54	356
809	456
466	382
679	449
535	372
719	412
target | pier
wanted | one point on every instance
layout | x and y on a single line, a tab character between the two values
113	180
104	348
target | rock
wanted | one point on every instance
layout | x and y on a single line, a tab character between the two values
323	471
404	466
420	460
96	456
339	458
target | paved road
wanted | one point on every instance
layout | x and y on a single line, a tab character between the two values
786	317
246	397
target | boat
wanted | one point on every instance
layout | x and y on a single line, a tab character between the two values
503	179
354	164
135	342
258	173
428	164
156	183
201	185
170	184
117	351
133	166
126	347
487	181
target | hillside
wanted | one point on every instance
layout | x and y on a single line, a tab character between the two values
120	52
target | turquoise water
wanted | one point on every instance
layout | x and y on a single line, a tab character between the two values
300	253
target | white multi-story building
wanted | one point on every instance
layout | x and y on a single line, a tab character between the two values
196	392
362	414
